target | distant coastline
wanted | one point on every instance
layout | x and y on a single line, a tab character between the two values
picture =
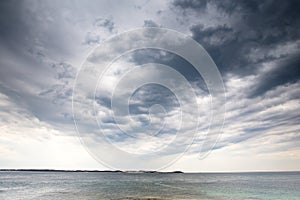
100	171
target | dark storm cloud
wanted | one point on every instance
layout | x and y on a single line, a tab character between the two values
12	25
257	28
272	21
140	57
192	4
149	95
223	45
287	71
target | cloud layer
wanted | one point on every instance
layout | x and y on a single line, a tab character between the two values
254	44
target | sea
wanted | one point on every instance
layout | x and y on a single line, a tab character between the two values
94	185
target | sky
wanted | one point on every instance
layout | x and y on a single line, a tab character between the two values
52	53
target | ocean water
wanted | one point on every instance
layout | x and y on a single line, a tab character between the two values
93	185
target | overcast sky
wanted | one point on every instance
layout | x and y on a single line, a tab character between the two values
254	44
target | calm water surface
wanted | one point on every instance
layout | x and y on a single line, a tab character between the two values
80	185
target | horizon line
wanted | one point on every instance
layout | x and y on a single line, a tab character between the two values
149	171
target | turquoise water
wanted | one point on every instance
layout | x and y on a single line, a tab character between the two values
91	185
